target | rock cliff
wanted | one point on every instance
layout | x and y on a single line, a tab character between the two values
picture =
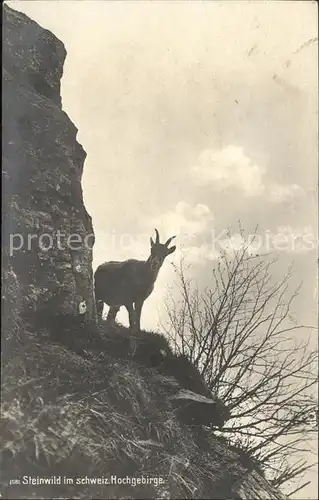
47	232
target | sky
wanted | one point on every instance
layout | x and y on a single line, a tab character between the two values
195	115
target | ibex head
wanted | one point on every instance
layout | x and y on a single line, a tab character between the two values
160	250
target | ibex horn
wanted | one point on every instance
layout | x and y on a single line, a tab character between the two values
157	236
169	240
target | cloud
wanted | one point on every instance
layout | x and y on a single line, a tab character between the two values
229	168
191	224
184	219
284	193
200	254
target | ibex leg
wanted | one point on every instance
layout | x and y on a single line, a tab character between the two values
138	311
131	315
111	315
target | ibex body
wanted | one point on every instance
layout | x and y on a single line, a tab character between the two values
129	283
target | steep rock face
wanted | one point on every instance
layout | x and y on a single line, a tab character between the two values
47	232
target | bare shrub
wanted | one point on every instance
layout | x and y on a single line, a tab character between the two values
240	334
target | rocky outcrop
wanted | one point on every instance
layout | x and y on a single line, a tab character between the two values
194	409
47	232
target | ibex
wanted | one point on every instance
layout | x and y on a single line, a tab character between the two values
129	283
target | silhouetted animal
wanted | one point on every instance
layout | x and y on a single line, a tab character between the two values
130	282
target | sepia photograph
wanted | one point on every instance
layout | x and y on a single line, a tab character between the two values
159	250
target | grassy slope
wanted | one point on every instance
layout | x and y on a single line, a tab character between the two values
100	414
